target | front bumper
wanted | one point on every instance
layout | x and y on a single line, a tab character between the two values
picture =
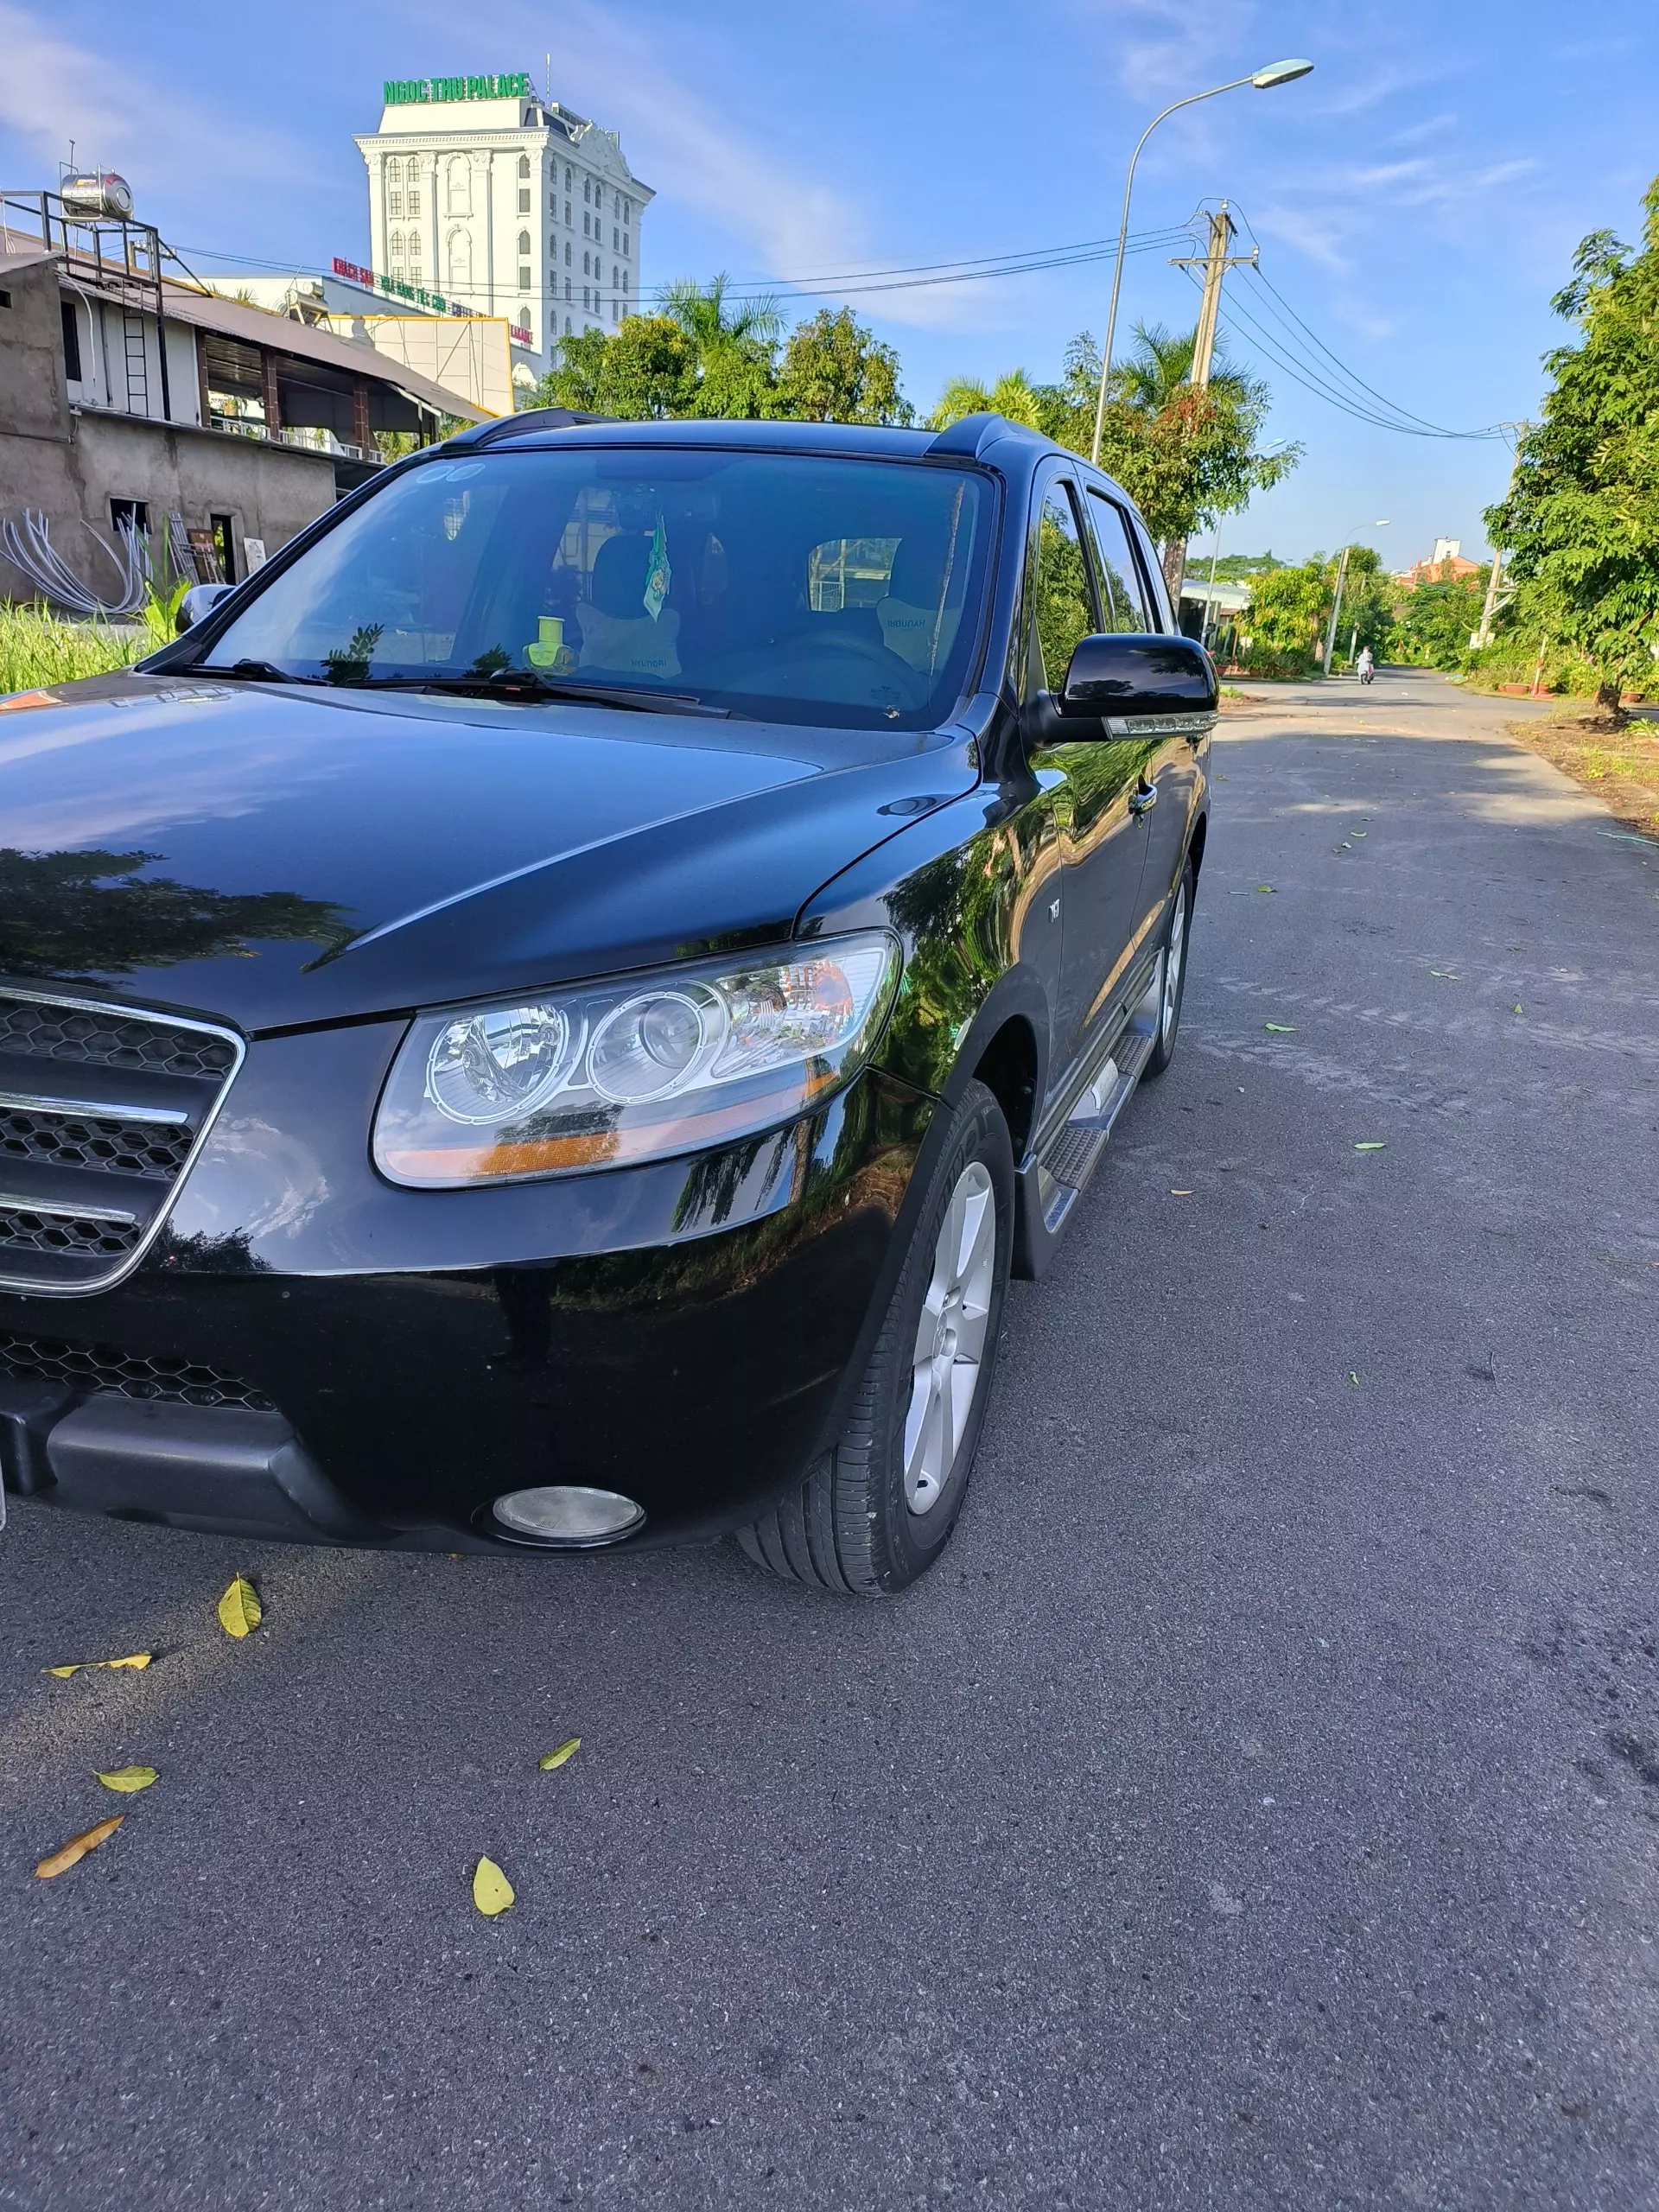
308	1353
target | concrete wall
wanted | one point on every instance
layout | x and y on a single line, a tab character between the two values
270	491
33	402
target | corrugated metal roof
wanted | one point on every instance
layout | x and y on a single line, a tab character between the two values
279	333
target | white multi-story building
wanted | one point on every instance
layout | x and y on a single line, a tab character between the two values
499	202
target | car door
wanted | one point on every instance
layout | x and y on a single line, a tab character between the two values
1101	838
1169	766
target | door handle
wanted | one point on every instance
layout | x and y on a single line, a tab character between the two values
1143	799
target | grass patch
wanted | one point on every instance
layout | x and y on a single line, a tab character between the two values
38	648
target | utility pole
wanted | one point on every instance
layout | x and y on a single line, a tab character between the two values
1484	631
1335	610
1215	263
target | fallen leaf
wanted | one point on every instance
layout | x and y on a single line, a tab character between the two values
62	1673
1353	1376
1515	1009
491	1891
568	1749
127	1779
1355	833
77	1848
1173	1194
1443	974
239	1610
1371	1144
137	1659
1264	887
1280	1028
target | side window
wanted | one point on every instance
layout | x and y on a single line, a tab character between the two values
1064	594
1123	602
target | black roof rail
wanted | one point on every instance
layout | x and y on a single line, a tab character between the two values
532	418
971	434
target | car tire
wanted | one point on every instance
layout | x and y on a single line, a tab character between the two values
1171	973
877	1510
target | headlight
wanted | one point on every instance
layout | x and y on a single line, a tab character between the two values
602	1075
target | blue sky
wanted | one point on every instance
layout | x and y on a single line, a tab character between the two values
1416	201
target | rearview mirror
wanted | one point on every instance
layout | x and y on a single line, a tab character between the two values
196	602
1124	673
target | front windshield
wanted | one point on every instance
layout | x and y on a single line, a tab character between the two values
796	588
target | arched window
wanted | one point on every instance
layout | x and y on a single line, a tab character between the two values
524	243
414	253
523	318
616	277
458	186
523	164
459	253
394	170
566	325
587	264
396	245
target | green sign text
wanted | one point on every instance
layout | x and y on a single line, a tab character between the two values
401	92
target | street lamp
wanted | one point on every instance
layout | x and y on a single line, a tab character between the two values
1276	73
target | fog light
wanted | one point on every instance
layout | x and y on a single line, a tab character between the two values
565	1514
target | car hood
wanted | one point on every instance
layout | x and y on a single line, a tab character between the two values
279	857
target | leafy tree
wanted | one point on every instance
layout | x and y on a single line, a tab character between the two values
1282	629
834	371
1433	621
1184	456
1581	520
709	355
646	370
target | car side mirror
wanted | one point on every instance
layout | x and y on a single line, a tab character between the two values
196	602
1124	673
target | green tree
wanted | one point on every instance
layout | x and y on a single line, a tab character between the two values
1433	621
1184	456
1282	629
645	371
735	346
833	370
1580	524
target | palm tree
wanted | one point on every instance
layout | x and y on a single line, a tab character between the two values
1013	395
1149	377
703	315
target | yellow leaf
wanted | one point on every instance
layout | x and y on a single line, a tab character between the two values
129	1778
62	1673
138	1659
491	1891
239	1610
548	1760
77	1848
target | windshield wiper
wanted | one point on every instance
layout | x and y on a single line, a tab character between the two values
527	684
253	672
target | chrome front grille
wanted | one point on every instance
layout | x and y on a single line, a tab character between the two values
102	1109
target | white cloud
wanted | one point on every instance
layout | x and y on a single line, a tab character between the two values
53	90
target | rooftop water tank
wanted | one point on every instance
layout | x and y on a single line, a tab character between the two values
97	193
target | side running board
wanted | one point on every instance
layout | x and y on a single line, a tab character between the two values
1052	1179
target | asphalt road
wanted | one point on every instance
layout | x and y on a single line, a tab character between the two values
1260	1808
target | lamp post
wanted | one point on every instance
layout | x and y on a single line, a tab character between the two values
1277	72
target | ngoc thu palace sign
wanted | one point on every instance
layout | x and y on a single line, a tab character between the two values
403	92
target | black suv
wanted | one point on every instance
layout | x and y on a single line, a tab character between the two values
547	1017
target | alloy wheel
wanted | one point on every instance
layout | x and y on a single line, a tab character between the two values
1174	957
949	1349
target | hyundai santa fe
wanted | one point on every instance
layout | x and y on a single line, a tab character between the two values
548	1015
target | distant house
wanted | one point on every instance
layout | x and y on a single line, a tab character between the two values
130	402
1445	565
